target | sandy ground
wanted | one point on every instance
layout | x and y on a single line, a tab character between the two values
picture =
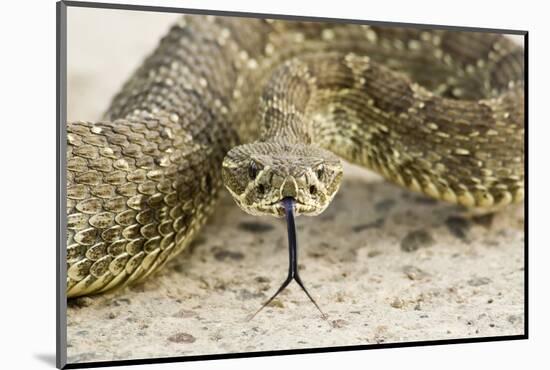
385	264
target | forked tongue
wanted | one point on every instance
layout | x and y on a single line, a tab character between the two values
288	204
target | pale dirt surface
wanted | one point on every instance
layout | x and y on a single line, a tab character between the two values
385	264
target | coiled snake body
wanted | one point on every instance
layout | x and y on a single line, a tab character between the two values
441	112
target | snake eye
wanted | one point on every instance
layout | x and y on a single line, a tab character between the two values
253	170
320	172
312	190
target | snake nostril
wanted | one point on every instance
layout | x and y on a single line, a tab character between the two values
312	190
261	189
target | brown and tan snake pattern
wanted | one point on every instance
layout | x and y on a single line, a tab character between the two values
268	108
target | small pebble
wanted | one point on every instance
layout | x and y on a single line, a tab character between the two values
120	301
276	303
384	205
82	302
245	294
414	273
222	255
262	279
378	223
183	314
478	281
484	220
374	253
458	226
182	338
255	227
417	239
397	303
339	323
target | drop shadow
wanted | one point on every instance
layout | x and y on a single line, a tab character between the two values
46	358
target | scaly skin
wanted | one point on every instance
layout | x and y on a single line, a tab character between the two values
438	112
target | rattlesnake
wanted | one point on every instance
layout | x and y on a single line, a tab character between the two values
441	112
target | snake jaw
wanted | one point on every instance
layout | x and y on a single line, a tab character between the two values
299	208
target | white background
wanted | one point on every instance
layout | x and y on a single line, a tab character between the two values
27	174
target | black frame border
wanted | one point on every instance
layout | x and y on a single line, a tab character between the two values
61	219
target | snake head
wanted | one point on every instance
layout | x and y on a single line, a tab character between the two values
260	175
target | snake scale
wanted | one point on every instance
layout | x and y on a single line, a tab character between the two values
268	108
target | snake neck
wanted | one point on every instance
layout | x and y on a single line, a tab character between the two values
283	109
